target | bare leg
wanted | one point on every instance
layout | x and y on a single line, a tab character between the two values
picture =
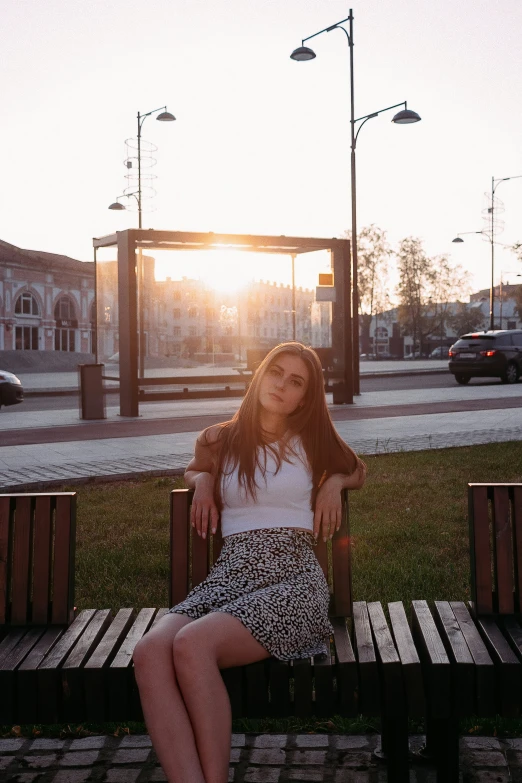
216	641
165	713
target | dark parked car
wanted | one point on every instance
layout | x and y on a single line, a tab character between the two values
11	389
494	354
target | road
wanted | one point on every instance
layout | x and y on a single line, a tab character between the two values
382	383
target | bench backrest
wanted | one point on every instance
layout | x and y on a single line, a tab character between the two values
191	557
495	537
37	547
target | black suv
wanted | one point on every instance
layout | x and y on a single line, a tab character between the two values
495	354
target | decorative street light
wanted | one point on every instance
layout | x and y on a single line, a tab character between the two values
404	117
491	235
164	116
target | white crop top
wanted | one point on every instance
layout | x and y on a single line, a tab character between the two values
282	498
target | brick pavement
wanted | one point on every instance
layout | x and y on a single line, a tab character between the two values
254	758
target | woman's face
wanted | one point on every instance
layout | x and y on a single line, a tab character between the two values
284	384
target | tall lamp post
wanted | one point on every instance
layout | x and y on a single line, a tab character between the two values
494	185
404	117
163	116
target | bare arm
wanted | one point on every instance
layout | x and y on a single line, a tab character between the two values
200	476
328	505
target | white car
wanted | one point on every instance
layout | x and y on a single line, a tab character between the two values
11	389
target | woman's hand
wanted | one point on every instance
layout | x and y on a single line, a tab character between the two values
204	509
328	505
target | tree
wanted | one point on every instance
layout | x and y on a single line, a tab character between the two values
466	318
450	281
416	281
427	287
373	255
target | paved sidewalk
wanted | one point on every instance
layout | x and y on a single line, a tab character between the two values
254	758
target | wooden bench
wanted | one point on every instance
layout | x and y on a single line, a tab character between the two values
472	653
57	667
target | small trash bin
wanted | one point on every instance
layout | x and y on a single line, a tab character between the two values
92	401
338	393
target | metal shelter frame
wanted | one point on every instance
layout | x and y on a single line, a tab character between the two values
132	240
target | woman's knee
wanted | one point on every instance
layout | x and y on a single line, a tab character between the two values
156	646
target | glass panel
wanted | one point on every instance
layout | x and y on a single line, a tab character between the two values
106	314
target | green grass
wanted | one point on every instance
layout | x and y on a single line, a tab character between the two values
409	535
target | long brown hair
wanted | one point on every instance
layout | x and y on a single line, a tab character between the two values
241	441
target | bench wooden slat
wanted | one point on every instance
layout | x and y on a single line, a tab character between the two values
370	697
324	685
256	700
503	550
95	669
21	561
517	531
49	675
480	549
42	559
389	661
179	546
121	675
303	687
5	513
514	632
234	682
64	558
509	668
10	640
411	665
8	668
341	557
437	669
279	682
484	666
27	676
346	669
72	668
463	667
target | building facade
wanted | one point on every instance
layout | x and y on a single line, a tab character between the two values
46	302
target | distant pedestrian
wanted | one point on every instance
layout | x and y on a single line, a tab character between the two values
272	477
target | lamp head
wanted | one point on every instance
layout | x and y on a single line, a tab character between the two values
457	239
165	116
116	206
302	53
405	117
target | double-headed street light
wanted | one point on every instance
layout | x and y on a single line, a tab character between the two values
491	235
404	117
164	116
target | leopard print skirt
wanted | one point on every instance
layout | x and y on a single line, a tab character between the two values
270	580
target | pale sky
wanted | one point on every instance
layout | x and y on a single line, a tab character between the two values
261	143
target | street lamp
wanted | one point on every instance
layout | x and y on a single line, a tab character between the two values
491	210
403	117
164	116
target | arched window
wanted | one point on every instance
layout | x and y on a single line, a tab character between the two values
26	304
64	310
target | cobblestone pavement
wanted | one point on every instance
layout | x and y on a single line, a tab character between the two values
254	758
